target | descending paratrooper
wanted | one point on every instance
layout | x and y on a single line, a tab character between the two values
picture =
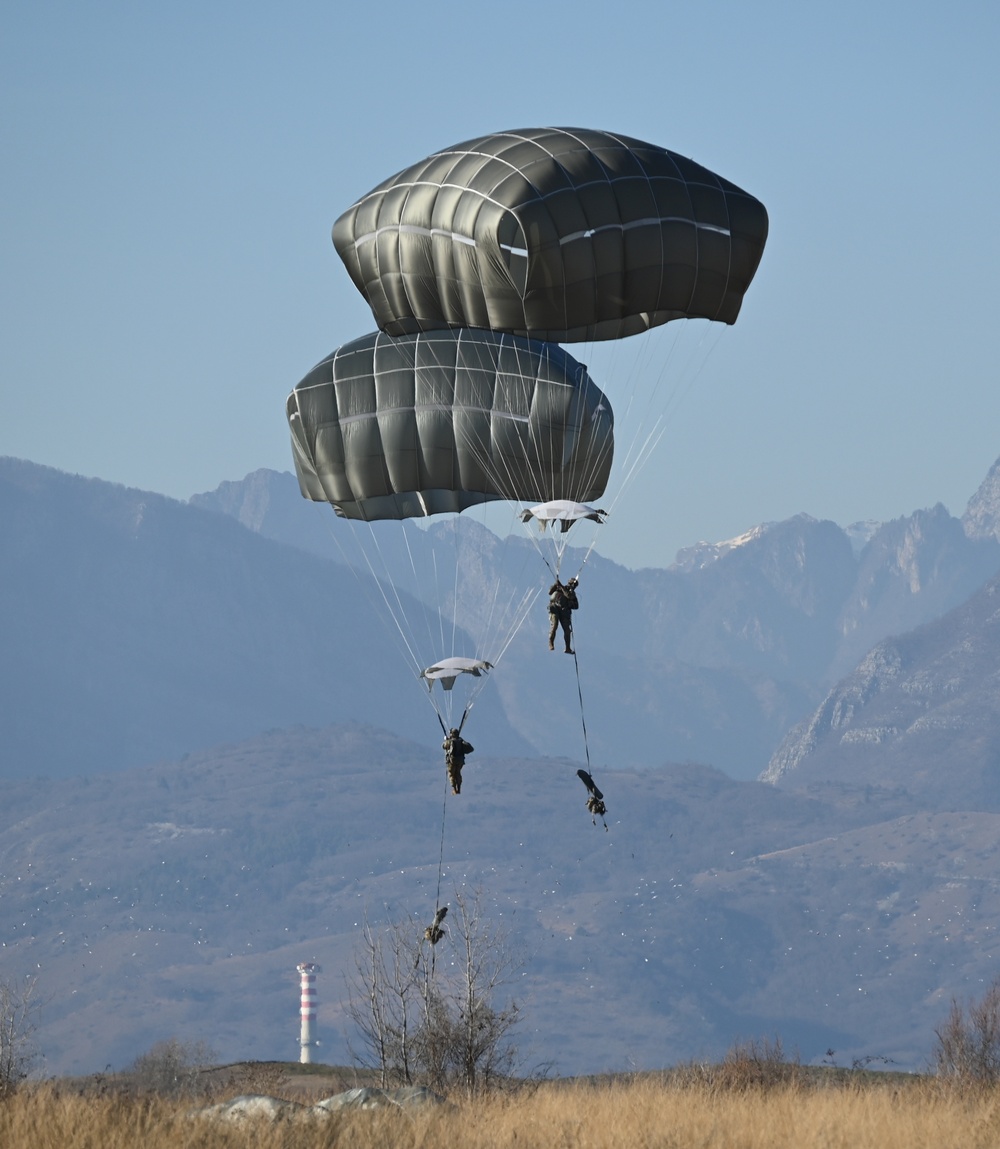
455	749
434	933
562	602
595	799
476	263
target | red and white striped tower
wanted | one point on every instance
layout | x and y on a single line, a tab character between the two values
307	1010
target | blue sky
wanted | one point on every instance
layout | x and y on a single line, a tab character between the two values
171	174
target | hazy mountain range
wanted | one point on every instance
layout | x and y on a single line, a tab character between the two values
840	904
135	627
713	659
178	899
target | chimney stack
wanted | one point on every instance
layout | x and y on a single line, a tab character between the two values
307	1010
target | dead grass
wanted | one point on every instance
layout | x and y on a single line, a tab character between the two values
644	1114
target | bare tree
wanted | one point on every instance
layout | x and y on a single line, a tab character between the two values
968	1043
18	1052
482	1028
435	1039
384	1000
433	1016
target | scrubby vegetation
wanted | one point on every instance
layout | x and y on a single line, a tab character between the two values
452	1029
18	1053
968	1043
757	1097
677	1111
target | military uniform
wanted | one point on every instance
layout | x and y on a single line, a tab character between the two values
595	799
455	749
562	603
434	933
596	806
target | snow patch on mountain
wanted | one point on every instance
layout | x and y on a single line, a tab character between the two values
703	554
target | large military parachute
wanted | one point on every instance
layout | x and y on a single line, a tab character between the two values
476	262
392	428
563	234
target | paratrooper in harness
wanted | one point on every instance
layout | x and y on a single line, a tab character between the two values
455	749
562	603
434	933
595	799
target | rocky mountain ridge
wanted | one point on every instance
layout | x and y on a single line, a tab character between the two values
150	628
915	706
982	515
724	646
134	628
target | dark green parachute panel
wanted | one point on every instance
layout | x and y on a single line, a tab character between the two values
397	427
560	234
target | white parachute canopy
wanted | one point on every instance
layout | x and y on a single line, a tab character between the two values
562	511
446	670
565	513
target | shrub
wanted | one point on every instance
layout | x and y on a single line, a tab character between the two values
18	1003
753	1064
171	1068
968	1043
443	1023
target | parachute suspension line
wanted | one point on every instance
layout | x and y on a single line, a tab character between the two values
586	557
586	467
649	427
442	703
545	442
437	895
559	542
498	610
554	571
443	646
454	589
379	583
397	613
394	605
434	622
521	613
698	355
637	456
583	717
696	352
413	568
446	645
505	618
645	426
503	472
579	479
516	612
499	618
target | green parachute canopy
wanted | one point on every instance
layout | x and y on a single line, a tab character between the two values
397	427
561	234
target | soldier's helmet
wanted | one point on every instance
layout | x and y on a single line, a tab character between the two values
453	732
573	582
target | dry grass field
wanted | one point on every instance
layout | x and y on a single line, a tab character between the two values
639	1114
